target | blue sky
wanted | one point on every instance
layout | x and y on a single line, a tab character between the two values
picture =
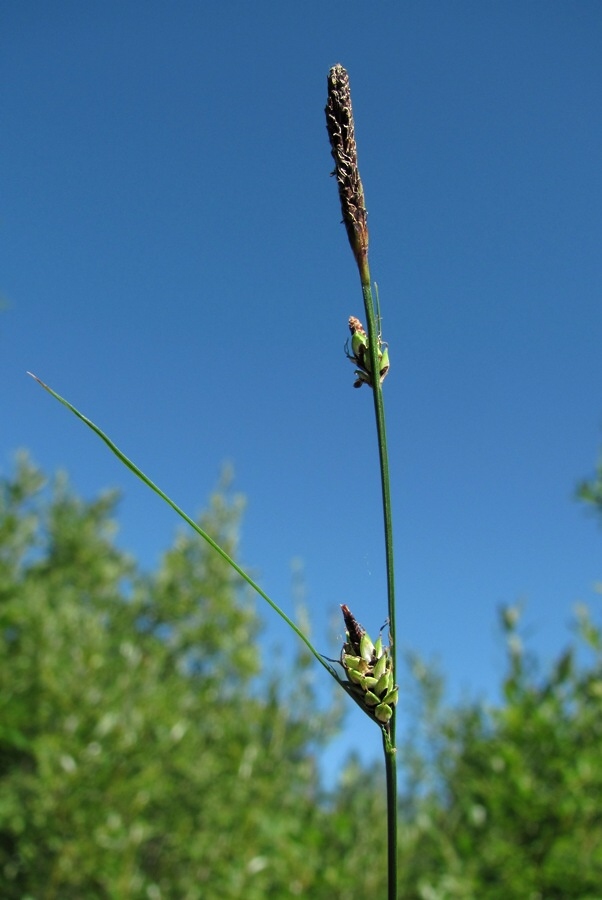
173	263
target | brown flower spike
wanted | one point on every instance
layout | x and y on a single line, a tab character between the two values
341	131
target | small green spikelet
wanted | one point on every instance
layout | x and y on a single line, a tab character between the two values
369	670
360	355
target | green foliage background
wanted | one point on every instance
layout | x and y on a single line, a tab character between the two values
147	751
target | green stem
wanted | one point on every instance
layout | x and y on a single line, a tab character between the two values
391	775
379	411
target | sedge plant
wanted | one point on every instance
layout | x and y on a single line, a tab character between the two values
366	669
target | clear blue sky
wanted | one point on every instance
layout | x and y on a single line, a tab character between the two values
174	264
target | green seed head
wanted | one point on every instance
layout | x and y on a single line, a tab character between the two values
369	670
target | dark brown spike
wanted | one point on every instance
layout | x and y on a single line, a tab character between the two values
341	131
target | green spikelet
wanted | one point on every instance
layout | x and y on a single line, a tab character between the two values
369	670
360	355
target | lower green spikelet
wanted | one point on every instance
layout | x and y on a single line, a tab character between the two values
369	670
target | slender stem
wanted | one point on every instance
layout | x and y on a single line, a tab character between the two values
388	736
391	775
379	410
